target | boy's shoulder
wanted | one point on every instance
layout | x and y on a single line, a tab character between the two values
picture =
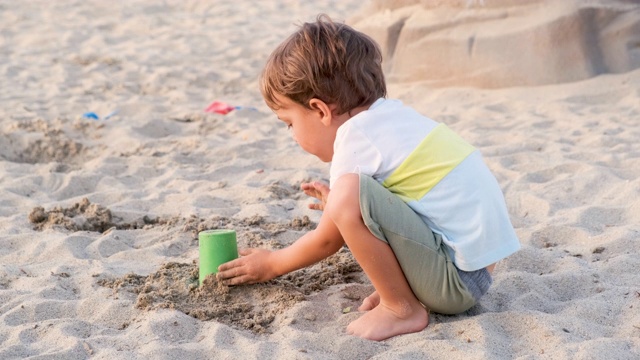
380	109
391	114
388	126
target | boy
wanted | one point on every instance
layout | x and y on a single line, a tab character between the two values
415	204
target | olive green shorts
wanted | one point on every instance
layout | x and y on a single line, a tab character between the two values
428	268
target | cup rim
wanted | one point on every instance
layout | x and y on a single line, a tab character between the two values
217	231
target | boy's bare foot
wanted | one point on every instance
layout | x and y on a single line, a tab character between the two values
382	323
370	302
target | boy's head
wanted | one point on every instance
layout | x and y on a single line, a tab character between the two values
328	61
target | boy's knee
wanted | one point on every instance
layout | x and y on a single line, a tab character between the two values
344	198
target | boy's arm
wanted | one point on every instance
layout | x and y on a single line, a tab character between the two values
258	265
314	246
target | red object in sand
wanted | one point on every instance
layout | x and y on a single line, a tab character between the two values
219	108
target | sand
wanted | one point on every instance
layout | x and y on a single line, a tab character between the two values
99	218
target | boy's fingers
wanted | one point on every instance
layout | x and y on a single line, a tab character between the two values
307	188
310	191
232	268
230	273
227	265
316	206
238	280
224	274
315	187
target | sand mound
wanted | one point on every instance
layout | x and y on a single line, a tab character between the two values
250	307
80	216
39	141
87	216
503	43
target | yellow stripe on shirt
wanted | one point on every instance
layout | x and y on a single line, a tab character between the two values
439	153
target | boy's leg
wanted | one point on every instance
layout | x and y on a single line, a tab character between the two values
399	311
425	263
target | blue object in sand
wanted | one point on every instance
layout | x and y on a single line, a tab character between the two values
91	115
94	116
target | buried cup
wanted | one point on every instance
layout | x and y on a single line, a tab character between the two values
216	248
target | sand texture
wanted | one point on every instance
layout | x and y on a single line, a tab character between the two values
99	218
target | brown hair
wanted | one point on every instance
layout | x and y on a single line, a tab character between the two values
326	60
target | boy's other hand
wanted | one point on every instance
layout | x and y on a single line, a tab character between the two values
318	190
253	267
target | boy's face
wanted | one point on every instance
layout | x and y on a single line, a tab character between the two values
309	126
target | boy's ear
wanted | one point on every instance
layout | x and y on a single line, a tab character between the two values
324	110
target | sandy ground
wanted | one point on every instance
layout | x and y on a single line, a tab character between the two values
98	218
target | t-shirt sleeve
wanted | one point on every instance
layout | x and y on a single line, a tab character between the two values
353	152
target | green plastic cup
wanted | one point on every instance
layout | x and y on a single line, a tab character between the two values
216	248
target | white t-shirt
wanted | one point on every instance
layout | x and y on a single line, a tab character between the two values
439	175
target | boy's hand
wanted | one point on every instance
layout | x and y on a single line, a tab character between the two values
251	268
318	190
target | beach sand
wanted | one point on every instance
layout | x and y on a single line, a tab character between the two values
99	218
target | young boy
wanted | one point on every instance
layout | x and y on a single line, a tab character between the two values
415	204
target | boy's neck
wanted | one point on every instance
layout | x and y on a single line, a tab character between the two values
356	111
351	113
